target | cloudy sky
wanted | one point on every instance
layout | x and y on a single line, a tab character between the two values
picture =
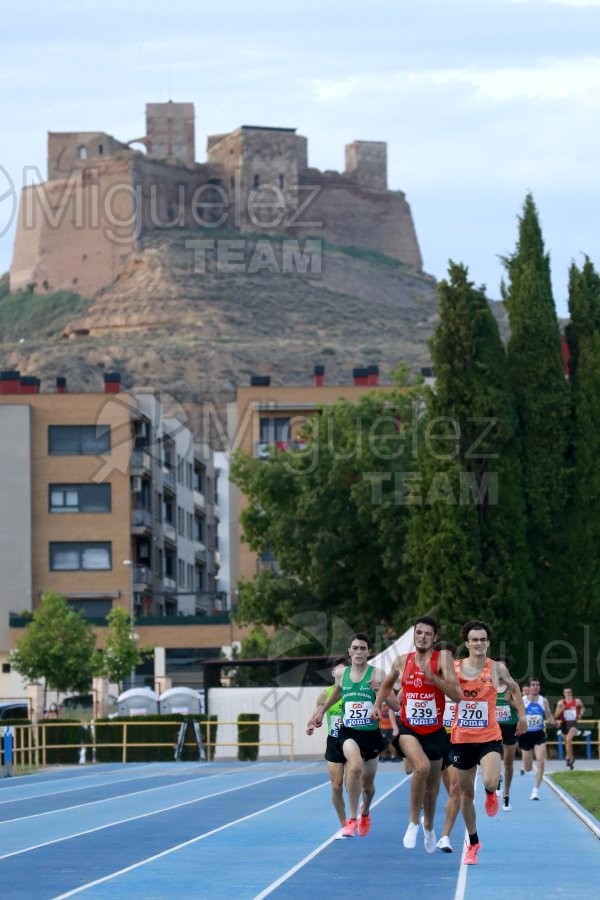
480	101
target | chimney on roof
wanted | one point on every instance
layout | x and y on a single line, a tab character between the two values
373	375
360	375
260	380
112	382
61	384
319	373
29	384
10	382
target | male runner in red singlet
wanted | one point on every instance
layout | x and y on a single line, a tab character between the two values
568	711
476	736
427	675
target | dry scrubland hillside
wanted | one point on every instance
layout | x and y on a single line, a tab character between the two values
197	335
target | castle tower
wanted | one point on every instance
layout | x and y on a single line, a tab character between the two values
367	162
170	131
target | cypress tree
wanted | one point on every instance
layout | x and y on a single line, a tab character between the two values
583	334
542	398
472	542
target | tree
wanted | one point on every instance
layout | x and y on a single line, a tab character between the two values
121	654
467	548
57	646
332	516
542	398
583	522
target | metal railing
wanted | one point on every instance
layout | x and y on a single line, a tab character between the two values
31	745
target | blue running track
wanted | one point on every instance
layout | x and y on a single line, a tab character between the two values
252	830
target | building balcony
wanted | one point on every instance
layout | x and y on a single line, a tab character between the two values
200	550
141	520
263	449
169	532
169	480
211	603
199	500
142	577
217	558
170	584
141	462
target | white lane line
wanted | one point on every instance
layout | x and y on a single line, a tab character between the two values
593	826
201	837
154	812
87	782
461	884
268	890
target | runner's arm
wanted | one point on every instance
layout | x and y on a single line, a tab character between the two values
580	708
549	715
320	702
447	681
387	687
316	719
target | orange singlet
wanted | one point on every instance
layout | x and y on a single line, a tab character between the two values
475	720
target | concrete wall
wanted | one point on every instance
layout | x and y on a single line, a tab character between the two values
15	516
275	706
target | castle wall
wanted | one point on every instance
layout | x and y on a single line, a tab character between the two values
178	196
260	167
69	150
367	162
76	233
170	131
342	213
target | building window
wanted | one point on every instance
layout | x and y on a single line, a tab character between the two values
75	556
90	498
256	181
199	530
5	668
101	150
199	575
199	480
281	181
78	440
274	429
82	152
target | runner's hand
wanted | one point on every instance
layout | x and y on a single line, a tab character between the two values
521	725
375	712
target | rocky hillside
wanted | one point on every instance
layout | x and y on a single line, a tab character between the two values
197	334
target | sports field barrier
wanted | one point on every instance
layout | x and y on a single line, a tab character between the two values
33	746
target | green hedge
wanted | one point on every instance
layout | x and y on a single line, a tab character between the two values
64	731
248	733
110	731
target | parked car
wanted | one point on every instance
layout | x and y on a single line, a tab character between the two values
14	710
84	703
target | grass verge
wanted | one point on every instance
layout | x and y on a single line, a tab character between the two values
584	787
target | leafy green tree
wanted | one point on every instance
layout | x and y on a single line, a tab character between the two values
467	549
57	647
332	516
542	398
121	654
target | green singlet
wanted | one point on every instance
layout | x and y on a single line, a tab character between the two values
334	715
505	713
357	702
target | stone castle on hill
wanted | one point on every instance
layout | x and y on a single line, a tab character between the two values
80	228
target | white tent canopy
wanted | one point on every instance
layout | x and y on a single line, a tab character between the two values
404	644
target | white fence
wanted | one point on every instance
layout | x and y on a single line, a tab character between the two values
273	705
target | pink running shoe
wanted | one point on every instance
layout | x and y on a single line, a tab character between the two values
364	823
491	803
471	854
349	829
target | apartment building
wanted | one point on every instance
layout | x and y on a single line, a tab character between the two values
108	501
266	415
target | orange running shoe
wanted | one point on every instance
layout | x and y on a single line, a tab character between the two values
471	854
491	803
364	823
349	828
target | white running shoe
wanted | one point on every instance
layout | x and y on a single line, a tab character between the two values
428	837
410	836
444	844
506	805
535	794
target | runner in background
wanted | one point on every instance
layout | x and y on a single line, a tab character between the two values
449	776
534	740
506	715
568	711
333	754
